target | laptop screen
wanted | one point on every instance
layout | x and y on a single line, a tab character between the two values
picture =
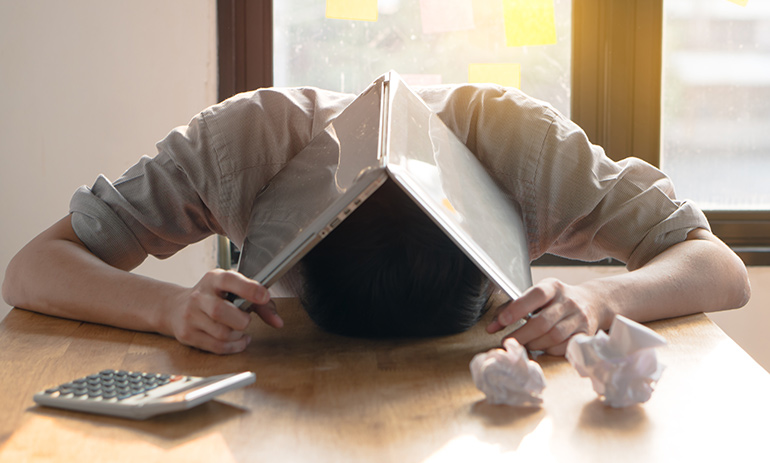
290	214
450	184
387	132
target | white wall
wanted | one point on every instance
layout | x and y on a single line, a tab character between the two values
87	87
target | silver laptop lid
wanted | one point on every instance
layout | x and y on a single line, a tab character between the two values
442	175
318	188
387	131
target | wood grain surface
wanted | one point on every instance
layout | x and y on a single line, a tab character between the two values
325	398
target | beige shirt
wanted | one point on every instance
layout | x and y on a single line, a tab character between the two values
576	202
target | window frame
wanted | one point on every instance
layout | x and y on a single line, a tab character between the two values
617	55
617	61
245	46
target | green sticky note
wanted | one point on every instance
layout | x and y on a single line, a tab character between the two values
505	74
529	22
358	10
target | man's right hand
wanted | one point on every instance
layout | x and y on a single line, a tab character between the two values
202	316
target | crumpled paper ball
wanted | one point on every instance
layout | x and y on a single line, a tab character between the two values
623	365
508	376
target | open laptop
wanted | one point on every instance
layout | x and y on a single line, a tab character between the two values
386	133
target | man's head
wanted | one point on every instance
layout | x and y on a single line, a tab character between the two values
388	270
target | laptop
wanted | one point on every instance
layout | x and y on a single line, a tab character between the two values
386	133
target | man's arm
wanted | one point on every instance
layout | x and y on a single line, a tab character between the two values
700	274
56	274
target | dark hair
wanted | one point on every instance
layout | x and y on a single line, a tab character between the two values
389	271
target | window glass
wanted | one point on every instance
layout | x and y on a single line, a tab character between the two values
716	89
427	41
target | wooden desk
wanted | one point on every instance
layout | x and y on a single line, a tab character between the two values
322	398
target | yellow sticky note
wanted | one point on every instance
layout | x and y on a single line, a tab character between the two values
358	10
739	2
529	22
505	74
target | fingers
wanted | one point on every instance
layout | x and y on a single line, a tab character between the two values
268	314
228	281
207	320
218	311
558	312
198	329
534	299
250	290
550	328
557	350
234	344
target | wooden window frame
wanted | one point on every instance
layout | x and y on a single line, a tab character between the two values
616	89
616	98
245	45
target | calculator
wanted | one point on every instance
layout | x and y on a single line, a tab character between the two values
139	395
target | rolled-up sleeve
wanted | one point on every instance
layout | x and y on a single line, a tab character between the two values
154	208
588	207
203	179
102	231
576	202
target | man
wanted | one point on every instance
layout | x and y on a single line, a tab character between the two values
576	203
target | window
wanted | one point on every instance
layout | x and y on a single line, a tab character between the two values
716	88
608	79
420	41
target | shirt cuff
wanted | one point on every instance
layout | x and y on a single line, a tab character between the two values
674	229
102	230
